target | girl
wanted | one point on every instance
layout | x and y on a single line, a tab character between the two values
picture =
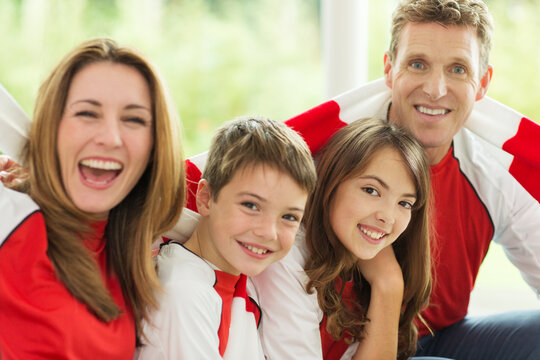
360	273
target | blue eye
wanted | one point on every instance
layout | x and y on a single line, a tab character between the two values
370	191
417	65
459	69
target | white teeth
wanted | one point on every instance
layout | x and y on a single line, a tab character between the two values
101	164
372	234
96	182
255	250
425	110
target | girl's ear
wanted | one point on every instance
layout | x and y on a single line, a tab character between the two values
204	197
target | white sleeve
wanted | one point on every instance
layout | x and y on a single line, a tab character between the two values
14	126
520	236
514	212
289	326
186	324
15	207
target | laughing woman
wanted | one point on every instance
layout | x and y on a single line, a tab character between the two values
106	178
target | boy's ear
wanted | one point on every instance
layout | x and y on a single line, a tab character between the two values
204	196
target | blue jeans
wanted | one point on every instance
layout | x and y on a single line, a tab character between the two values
513	335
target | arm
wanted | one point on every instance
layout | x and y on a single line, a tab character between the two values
520	238
513	211
14	125
289	326
385	277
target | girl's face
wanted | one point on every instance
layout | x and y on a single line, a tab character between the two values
368	212
105	136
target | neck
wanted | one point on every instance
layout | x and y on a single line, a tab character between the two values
193	244
435	155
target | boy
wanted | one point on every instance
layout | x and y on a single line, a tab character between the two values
251	199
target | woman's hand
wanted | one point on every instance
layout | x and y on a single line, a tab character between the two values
11	173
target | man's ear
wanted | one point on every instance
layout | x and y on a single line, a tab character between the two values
203	197
388	69
484	83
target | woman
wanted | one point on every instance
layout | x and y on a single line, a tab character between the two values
106	177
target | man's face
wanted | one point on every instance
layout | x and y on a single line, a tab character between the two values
435	80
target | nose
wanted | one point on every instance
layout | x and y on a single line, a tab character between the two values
109	132
266	228
435	86
386	216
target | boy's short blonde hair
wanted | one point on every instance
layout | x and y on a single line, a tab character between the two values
248	141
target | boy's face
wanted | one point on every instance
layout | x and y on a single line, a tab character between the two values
254	220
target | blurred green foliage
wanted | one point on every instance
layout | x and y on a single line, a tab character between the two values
227	58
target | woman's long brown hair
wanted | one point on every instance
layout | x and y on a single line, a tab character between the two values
151	208
345	156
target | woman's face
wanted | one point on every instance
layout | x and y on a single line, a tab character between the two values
368	212
105	135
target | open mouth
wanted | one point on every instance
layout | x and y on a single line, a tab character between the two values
99	172
254	249
428	111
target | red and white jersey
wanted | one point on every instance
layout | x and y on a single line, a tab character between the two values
204	313
290	329
288	309
39	318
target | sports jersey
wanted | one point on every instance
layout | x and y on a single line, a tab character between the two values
204	313
39	318
288	309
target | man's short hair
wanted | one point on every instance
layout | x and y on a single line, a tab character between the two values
470	13
247	141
